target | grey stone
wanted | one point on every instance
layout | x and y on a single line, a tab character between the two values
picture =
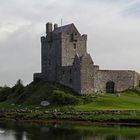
45	103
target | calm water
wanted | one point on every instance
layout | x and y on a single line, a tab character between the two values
24	131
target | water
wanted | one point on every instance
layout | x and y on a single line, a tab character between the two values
27	131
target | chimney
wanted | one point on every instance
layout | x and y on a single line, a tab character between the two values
55	26
48	27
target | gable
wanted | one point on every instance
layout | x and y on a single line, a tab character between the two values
70	28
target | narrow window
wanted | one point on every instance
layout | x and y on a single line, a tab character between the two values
71	37
63	72
70	81
74	46
75	37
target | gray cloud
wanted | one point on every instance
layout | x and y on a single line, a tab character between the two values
133	10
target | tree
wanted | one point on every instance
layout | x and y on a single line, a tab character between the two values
18	87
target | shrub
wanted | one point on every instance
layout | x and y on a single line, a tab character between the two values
18	87
4	93
61	98
87	100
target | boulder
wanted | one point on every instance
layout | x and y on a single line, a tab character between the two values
45	103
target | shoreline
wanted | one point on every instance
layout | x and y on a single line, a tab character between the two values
74	122
127	118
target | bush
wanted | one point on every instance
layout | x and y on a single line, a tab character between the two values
87	100
4	93
16	91
61	98
18	87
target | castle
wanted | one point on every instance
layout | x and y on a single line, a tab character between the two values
64	59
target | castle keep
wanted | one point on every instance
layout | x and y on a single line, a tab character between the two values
64	59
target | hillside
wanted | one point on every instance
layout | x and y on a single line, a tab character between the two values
57	94
34	93
128	100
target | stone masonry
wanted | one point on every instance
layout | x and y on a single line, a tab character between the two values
64	59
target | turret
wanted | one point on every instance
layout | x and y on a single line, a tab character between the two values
55	26
48	28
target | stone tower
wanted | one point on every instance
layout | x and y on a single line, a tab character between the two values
64	59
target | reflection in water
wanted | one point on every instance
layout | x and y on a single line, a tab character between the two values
20	131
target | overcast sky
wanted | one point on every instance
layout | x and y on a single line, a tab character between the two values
113	28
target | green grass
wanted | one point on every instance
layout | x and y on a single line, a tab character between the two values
59	95
65	100
34	93
127	100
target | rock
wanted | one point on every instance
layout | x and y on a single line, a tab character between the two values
45	103
46	112
37	107
118	94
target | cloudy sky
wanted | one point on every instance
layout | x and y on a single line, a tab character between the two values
113	28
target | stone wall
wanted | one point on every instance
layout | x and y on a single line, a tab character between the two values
70	75
51	55
66	77
87	74
76	84
136	79
71	47
123	80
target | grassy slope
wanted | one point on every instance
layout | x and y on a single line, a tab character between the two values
127	101
36	92
29	97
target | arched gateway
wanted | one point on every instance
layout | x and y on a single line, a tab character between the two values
110	87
